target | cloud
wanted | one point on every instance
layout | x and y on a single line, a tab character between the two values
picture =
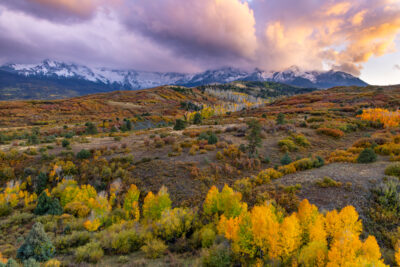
208	28
341	34
396	67
187	35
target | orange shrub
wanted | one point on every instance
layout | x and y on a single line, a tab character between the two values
384	116
330	132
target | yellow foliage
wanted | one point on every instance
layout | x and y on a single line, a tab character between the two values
384	116
343	223
92	226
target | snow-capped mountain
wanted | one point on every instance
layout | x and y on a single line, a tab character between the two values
91	80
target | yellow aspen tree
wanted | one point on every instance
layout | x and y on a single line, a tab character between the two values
290	236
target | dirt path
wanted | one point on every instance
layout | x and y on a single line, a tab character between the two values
356	179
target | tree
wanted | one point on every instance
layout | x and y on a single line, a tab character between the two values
91	128
37	245
154	205
65	143
47	205
128	125
179	125
367	156
212	139
280	119
197	119
254	137
286	159
83	154
131	202
41	182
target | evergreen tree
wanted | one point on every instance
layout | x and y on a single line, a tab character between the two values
286	159
37	245
91	128
41	182
179	125
128	125
367	156
47	205
254	137
212	139
280	119
197	118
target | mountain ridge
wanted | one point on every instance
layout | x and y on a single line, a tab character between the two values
90	80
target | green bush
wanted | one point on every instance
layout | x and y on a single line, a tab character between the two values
328	182
31	262
217	256
91	252
286	159
65	143
207	236
126	241
179	125
280	119
388	195
154	248
84	154
37	245
197	119
367	156
76	239
212	139
47	205
393	170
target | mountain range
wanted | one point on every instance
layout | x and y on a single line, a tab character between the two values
52	79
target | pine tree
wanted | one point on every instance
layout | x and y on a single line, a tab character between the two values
47	205
197	118
280	119
41	182
286	159
254	137
179	125
37	245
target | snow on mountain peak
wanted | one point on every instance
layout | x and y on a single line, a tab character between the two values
132	79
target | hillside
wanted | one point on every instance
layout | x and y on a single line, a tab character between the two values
200	190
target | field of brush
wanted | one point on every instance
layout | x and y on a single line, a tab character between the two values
173	176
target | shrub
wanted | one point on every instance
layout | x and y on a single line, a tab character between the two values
76	239
65	143
287	169
243	186
126	241
388	195
31	262
197	119
154	248
287	144
301	140
154	205
265	176
52	263
367	156
179	125
212	139
286	159
91	252
37	245
78	209
330	132
84	154
174	223
328	182
393	170
280	119
90	128
207	236
217	256
304	164
47	205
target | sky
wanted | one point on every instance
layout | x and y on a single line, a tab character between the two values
361	37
